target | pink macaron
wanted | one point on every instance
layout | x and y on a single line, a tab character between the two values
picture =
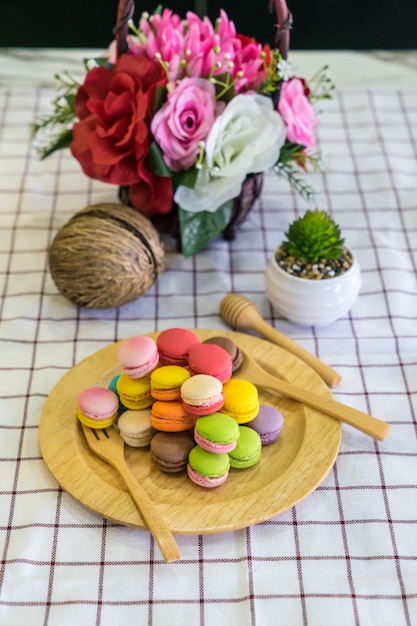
174	345
97	407
138	356
206	358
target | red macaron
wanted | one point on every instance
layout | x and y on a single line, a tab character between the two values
206	358
174	345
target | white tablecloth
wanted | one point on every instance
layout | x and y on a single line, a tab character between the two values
347	554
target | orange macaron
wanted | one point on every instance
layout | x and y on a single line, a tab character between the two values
171	417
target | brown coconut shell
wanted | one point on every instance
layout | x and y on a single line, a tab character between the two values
105	256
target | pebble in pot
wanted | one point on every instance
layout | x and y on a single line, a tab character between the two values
105	256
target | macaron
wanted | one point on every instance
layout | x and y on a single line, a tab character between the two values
174	344
169	451
216	433
207	358
207	469
171	416
135	428
97	407
268	423
113	386
138	356
241	400
134	393
202	394
166	382
248	449
113	383
231	348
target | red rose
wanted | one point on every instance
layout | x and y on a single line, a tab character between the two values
111	140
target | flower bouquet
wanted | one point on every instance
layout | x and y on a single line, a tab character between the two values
184	116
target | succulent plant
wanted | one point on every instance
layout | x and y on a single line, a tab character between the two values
313	237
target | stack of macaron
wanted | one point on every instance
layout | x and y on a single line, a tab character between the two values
221	444
216	435
128	393
168	413
177	396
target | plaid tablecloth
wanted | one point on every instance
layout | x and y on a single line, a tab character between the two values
345	555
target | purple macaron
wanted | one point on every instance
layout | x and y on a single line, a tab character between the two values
268	423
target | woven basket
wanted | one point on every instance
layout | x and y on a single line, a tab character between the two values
252	185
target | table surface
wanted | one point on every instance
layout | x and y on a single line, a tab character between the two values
346	554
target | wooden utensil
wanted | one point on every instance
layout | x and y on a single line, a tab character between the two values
252	371
109	446
242	314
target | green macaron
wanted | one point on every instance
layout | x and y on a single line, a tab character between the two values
248	449
207	469
216	432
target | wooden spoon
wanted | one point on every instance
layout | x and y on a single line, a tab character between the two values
252	371
242	314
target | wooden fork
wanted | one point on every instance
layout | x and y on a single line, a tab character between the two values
109	446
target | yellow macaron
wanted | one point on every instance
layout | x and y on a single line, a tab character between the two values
241	400
166	382
134	393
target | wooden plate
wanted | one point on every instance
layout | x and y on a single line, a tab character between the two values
289	470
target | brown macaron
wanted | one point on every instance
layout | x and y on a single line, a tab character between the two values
169	451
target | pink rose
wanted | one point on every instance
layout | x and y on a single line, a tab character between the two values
298	114
183	121
249	64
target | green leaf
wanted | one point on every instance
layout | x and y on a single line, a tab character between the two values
63	140
160	97
186	178
199	229
224	86
157	165
70	98
290	151
155	161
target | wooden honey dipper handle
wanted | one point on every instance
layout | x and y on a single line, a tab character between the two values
242	314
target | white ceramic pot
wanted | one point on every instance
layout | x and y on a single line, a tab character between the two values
312	302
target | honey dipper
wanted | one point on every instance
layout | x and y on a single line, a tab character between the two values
242	314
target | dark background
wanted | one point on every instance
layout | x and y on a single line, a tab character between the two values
318	24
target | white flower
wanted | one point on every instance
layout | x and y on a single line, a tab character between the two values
285	70
92	64
246	138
